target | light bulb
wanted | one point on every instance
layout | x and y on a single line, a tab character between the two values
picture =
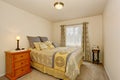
18	37
58	5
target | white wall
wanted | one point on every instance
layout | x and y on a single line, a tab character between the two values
111	18
13	22
94	27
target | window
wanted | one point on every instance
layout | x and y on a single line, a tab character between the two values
74	35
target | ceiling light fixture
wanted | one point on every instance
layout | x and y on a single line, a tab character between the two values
58	5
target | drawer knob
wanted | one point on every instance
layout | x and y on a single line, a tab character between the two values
22	63
21	56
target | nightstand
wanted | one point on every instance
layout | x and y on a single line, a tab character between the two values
17	63
96	51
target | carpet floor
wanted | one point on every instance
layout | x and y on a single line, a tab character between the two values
88	71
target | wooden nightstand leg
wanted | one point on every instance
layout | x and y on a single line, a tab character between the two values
97	58
93	57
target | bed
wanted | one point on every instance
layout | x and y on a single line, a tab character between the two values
60	62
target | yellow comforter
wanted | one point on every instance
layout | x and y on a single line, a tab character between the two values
61	58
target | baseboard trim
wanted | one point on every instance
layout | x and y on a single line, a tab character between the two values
106	69
2	74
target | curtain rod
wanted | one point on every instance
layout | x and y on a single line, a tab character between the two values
76	24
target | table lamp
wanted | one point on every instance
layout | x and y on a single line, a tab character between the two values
18	38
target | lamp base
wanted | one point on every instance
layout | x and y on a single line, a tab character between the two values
17	49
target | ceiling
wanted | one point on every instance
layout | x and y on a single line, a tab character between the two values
72	8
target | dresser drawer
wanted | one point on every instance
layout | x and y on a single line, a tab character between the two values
21	63
21	71
21	56
18	72
26	69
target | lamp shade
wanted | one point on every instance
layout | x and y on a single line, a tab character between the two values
58	5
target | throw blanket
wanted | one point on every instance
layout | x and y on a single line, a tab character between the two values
60	58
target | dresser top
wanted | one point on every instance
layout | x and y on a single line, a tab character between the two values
17	51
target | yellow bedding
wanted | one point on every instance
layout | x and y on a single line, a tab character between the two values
62	58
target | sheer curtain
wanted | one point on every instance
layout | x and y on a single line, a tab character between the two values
73	35
76	36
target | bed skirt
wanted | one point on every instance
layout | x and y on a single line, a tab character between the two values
51	71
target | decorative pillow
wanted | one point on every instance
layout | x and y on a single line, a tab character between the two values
43	45
43	39
49	44
37	45
32	40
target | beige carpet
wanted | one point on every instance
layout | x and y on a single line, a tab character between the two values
88	71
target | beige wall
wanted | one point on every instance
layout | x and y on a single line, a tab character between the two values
94	27
111	18
13	22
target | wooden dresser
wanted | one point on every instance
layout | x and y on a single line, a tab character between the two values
17	63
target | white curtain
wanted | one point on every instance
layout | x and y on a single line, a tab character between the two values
73	35
77	36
